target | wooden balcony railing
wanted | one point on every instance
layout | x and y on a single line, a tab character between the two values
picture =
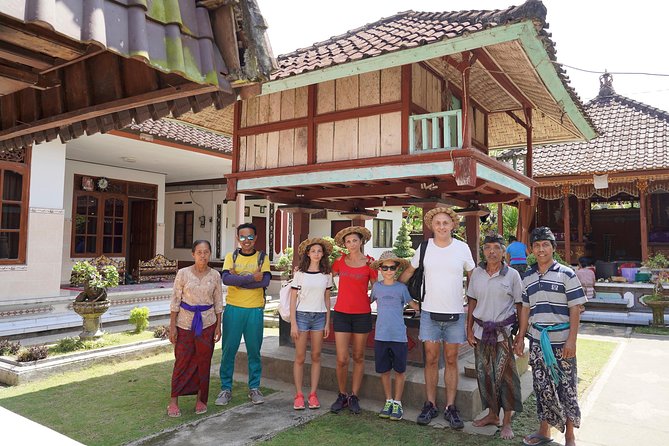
435	131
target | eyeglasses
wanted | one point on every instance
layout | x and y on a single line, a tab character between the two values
386	268
247	237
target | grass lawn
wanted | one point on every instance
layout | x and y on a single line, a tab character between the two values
111	404
651	330
368	429
109	339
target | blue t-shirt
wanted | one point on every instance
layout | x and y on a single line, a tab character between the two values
517	252
390	303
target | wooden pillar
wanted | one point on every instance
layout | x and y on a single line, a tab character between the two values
240	203
566	225
466	115
643	217
500	219
405	95
300	232
528	129
472	223
579	204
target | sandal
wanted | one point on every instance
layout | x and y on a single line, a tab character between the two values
200	408
173	411
538	439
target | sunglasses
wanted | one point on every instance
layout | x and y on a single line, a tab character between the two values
386	267
247	237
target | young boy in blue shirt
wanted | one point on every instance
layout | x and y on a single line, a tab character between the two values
390	339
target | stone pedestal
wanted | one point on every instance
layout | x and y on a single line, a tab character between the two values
91	313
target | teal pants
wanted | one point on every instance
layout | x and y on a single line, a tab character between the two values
238	322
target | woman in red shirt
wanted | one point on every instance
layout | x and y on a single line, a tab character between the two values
352	315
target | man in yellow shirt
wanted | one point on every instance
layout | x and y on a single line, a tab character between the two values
246	273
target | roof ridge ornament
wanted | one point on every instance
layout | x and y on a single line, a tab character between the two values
606	85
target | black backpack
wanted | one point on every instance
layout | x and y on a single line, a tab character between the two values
415	283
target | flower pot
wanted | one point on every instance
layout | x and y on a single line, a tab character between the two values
658	307
91	313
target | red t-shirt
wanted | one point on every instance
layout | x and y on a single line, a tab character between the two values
352	295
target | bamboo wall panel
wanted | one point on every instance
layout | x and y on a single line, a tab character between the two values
391	133
345	140
250	152
242	153
325	98
287	104
260	161
275	107
286	147
425	89
347	93
300	148
272	150
369	136
252	112
301	102
263	109
479	126
370	88
391	84
324	142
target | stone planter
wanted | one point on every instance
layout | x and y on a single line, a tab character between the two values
91	313
658	308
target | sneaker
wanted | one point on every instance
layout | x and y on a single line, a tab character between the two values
354	404
397	412
452	415
313	401
256	396
298	404
224	397
387	408
427	413
342	402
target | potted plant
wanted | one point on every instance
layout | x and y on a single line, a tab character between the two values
657	265
92	302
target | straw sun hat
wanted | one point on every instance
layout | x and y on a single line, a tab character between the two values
327	246
389	256
364	232
443	210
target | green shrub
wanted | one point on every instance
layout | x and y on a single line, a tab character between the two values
139	317
8	347
161	332
33	353
67	345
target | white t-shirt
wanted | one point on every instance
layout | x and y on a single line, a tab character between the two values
444	292
311	286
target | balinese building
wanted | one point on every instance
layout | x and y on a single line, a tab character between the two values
404	111
607	198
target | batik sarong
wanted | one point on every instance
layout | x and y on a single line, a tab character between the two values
193	363
556	403
497	375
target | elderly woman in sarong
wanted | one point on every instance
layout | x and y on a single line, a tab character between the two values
494	301
552	300
195	327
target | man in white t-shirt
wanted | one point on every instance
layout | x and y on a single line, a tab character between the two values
442	319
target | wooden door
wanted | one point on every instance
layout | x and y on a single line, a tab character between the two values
338	225
261	226
142	240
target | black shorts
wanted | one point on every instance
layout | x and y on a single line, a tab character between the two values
390	355
351	323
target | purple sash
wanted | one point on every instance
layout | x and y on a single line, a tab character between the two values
197	310
490	329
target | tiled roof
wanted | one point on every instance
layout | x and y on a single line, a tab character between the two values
403	30
634	137
182	133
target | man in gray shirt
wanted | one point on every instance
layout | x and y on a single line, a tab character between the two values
494	301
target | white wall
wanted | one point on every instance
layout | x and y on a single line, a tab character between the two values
97	170
40	276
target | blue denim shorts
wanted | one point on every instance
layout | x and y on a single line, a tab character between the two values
449	332
310	321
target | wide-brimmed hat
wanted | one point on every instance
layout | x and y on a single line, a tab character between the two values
442	210
389	256
327	246
364	233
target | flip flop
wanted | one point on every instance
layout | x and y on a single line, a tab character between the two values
172	413
200	408
540	439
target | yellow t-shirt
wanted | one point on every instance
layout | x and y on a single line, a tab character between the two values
245	265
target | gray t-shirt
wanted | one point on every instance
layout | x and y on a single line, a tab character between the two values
496	296
390	303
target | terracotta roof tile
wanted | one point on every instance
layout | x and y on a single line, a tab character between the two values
633	136
180	132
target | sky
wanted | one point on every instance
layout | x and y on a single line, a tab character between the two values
589	34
